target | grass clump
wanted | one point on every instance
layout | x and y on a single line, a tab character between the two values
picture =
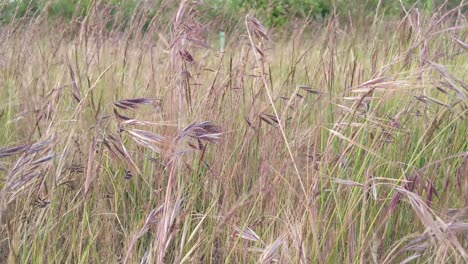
344	141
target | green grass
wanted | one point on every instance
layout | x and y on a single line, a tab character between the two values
343	144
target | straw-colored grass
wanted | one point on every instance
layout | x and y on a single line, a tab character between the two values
337	143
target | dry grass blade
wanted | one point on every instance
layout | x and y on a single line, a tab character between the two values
435	226
185	54
166	227
90	167
31	165
121	117
135	103
269	119
117	148
461	43
348	182
426	99
205	131
360	99
309	89
344	124
147	139
257	28
442	90
381	83
450	78
248	234
198	42
353	142
40	146
146	135
150	221
458	227
35	148
271	252
452	86
76	92
411	258
112	147
424	214
10	151
128	158
372	82
44	159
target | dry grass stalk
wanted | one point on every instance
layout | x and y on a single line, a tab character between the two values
150	221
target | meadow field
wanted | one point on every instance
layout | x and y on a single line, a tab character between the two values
342	140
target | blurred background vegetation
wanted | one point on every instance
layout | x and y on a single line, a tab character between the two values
274	13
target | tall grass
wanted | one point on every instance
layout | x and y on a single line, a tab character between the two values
340	142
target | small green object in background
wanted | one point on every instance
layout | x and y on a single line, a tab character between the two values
222	41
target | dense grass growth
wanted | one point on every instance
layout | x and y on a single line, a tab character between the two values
343	141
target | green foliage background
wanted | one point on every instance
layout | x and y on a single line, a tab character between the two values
274	13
